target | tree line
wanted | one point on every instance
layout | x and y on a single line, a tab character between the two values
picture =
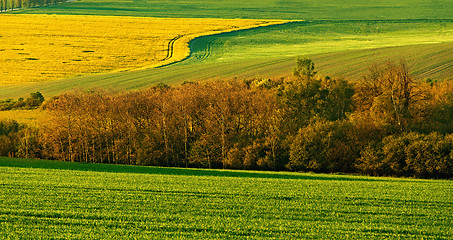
10	5
387	124
32	102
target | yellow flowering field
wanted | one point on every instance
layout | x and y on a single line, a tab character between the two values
29	117
36	48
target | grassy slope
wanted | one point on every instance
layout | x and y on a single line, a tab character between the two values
264	9
331	43
270	52
29	117
315	37
429	60
70	200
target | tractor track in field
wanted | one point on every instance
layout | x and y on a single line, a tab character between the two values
171	47
209	48
207	51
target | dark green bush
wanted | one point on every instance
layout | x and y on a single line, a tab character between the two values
323	147
409	154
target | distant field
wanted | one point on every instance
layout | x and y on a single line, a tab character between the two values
427	60
28	117
264	9
35	48
47	199
317	37
340	47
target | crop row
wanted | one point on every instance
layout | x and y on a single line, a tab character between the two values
72	204
319	37
264	9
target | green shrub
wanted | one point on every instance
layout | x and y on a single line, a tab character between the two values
370	161
431	156
409	154
34	101
323	147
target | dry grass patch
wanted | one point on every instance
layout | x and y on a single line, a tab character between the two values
29	117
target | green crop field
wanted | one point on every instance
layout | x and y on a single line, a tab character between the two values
426	61
59	200
264	9
42	199
311	38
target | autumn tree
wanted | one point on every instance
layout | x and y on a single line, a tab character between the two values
441	109
304	69
323	146
306	97
304	123
8	137
302	97
409	154
391	95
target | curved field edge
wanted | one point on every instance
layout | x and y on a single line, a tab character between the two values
49	199
426	61
179	49
36	48
317	37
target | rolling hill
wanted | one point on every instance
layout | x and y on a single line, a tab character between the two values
264	9
344	39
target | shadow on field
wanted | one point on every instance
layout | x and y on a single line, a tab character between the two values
96	167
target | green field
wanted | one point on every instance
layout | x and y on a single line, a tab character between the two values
317	37
426	61
264	9
41	199
60	200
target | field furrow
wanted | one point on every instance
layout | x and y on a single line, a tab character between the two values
351	65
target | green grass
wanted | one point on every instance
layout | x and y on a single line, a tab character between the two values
264	9
317	37
44	199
